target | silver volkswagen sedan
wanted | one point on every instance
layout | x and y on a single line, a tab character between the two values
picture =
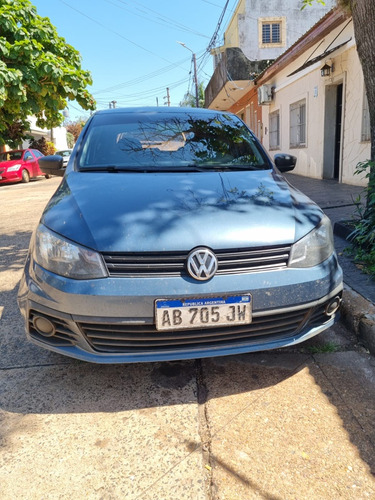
174	236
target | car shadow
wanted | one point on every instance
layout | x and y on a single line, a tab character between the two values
73	387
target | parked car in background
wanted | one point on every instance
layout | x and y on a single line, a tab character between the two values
65	153
20	165
173	235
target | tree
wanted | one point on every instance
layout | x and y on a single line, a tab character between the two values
189	100
75	127
70	140
39	144
39	72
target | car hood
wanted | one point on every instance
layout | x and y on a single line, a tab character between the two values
10	163
145	212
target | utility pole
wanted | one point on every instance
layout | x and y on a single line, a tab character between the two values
195	74
196	81
168	103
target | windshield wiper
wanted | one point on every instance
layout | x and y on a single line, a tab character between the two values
110	168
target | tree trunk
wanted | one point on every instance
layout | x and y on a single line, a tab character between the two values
363	12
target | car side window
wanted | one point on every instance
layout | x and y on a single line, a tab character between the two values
28	156
37	154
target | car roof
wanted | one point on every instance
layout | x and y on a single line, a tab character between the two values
163	110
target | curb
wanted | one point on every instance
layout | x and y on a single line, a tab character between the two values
358	314
343	230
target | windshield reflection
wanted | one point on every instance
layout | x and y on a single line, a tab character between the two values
165	140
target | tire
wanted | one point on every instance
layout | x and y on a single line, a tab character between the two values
25	176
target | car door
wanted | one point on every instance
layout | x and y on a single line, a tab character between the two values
37	154
30	163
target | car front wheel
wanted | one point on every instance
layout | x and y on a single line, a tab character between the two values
25	176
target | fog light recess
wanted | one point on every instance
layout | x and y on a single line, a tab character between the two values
333	306
44	326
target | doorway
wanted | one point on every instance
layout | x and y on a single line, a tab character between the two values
333	118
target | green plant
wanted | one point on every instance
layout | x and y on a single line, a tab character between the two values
39	144
363	236
70	140
51	148
328	347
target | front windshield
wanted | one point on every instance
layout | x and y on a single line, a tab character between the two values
170	141
11	155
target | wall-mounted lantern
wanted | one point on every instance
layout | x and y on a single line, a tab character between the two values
326	70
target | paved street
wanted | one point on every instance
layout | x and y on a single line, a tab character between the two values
290	424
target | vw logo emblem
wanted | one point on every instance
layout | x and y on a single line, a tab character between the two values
201	264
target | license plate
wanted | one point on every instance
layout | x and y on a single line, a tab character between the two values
184	314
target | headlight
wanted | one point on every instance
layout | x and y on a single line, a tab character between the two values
65	258
313	248
14	168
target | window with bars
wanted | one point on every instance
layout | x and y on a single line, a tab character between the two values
298	124
271	32
366	133
274	127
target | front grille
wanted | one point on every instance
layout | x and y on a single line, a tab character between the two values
63	336
119	337
233	261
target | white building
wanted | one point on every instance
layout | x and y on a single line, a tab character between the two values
263	30
315	106
57	135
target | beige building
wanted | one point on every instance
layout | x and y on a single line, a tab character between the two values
314	104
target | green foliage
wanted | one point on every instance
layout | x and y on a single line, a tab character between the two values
323	349
70	140
40	144
51	148
308	3
189	100
75	127
39	72
363	236
344	4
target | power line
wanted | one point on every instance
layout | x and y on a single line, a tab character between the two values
113	31
159	19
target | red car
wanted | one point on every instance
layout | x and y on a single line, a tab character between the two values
20	165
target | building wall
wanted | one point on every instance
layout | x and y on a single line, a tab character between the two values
244	29
319	92
231	35
57	135
248	109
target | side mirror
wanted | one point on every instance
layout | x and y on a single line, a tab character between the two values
284	162
52	165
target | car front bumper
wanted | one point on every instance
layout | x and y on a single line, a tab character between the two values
111	320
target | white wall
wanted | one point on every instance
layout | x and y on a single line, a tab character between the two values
297	23
58	135
309	84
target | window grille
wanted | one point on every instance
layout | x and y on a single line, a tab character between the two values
298	124
271	33
275	130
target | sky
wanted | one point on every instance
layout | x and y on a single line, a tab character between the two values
131	47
